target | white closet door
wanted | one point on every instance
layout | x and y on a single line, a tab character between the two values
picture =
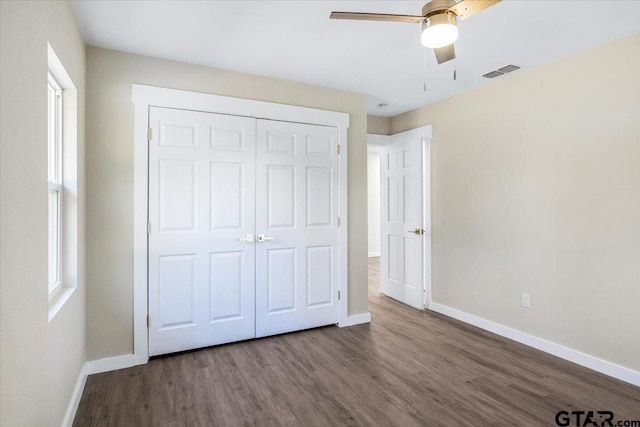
297	212
401	262
201	202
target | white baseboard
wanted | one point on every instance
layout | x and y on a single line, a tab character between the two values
616	371
70	415
374	254
110	364
356	319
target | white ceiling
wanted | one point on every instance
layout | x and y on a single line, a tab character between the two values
295	40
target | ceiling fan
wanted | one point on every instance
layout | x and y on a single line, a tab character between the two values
439	22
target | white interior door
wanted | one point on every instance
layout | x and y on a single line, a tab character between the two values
201	203
297	266
402	237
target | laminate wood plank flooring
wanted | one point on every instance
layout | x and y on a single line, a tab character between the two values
406	368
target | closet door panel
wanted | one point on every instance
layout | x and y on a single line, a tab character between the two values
201	203
296	212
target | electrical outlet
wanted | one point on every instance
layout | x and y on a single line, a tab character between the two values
526	300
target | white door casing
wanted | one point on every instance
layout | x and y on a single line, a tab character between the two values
201	202
403	234
297	265
145	97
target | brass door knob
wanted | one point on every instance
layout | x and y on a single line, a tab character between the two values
418	231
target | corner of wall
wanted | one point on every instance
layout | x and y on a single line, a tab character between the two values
378	125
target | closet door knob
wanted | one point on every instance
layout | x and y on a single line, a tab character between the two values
263	238
248	238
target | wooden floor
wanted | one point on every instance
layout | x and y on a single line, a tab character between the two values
406	368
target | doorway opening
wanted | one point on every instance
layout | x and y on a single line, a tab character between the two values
399	226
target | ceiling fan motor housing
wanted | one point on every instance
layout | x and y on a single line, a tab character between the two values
436	7
441	18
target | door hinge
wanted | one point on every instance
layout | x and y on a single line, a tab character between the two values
148	321
338	295
148	134
338	148
338	221
148	228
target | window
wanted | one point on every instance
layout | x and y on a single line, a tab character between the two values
64	197
55	184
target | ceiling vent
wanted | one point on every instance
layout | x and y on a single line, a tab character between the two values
501	71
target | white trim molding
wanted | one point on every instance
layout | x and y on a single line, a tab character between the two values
356	319
197	101
611	369
343	236
145	97
110	364
426	213
72	408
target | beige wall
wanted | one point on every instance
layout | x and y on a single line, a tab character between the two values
110	181
379	125
536	189
40	362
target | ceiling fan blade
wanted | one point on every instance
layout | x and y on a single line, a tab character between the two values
444	54
412	19
467	8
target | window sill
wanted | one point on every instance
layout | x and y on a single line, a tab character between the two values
58	299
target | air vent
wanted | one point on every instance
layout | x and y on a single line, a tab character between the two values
501	71
508	68
492	74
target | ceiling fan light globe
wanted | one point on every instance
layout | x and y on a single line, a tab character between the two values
439	31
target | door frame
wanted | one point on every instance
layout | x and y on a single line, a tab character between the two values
426	214
380	141
144	97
